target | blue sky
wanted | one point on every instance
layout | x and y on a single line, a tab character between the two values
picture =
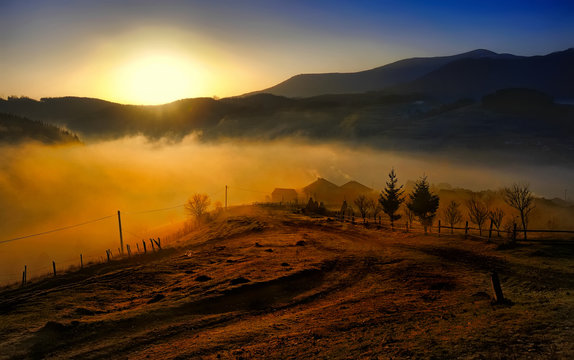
242	46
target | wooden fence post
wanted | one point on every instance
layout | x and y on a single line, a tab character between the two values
514	233
24	273
129	250
152	247
108	254
54	267
439	228
145	247
466	230
81	261
496	287
158	243
490	231
138	246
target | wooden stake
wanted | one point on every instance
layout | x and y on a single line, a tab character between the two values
54	267
496	287
514	233
24	276
81	261
466	230
121	236
138	246
129	250
108	254
152	247
439	227
145	247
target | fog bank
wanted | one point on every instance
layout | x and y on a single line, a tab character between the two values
47	187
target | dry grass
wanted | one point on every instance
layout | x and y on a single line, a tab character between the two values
243	288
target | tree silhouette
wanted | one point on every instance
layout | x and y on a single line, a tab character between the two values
343	210
423	203
520	197
452	215
496	217
477	212
363	205
197	206
376	208
390	198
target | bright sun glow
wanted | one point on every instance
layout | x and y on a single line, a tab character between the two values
157	79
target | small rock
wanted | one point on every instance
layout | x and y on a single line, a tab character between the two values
284	264
202	278
84	311
300	243
156	298
239	280
269	250
258	245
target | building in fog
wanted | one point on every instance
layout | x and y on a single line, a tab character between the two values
284	196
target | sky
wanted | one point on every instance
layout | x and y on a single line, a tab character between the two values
151	52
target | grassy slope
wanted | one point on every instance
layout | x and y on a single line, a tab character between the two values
347	292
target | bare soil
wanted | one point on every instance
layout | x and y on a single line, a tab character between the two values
274	285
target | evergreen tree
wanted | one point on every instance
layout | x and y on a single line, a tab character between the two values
390	198
422	203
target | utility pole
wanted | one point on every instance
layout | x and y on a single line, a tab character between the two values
226	197
121	237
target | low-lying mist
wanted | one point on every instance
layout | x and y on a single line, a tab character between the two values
48	187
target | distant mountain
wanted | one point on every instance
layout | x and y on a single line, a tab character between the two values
325	191
552	74
519	123
380	78
472	74
16	129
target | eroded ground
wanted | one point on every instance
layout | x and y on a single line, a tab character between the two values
271	284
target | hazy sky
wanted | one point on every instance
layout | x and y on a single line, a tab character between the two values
158	51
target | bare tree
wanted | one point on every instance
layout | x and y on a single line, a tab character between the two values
520	197
376	208
363	205
496	217
452	215
197	206
410	216
477	212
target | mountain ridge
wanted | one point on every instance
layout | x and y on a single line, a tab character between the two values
384	77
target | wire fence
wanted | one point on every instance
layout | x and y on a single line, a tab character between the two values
139	235
130	226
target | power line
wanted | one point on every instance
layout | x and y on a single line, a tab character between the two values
255	191
56	230
153	210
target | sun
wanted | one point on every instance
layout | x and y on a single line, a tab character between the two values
156	79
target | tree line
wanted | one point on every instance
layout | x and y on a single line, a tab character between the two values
422	204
